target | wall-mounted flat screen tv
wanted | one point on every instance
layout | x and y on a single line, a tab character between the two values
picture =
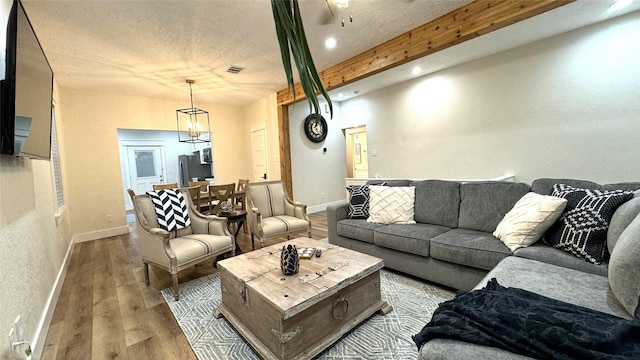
27	91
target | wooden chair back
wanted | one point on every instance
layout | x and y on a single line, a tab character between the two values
157	187
194	192
204	200
218	194
241	195
202	184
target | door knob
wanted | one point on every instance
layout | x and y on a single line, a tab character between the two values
264	176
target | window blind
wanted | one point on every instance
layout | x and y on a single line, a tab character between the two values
55	157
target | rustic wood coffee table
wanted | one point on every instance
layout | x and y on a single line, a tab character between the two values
298	316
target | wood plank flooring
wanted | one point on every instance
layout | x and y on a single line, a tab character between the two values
105	311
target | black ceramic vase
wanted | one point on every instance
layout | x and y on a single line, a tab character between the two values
289	262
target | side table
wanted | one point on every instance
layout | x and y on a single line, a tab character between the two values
237	219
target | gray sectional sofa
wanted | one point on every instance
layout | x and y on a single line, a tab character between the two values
452	244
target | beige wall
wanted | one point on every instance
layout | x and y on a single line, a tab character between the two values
567	106
264	111
318	176
92	157
33	246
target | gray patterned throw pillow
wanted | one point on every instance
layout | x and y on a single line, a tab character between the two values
582	227
358	201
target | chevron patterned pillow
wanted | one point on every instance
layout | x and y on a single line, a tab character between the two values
582	228
171	209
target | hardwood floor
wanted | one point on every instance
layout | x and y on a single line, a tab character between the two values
105	311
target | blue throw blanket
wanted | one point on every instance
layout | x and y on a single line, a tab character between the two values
529	324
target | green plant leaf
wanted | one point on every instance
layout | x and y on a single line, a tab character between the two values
293	45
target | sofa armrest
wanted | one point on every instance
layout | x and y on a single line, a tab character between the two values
335	213
254	218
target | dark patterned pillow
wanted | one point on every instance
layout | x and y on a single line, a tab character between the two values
358	201
582	227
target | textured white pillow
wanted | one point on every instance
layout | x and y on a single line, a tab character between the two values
530	217
391	204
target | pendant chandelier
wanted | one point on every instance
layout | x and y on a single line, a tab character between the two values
193	123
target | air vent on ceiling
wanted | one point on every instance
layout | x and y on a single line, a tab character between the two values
235	69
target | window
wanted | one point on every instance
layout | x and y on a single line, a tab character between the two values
55	161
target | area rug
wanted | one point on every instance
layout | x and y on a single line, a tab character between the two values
380	337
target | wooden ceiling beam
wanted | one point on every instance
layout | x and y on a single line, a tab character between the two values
470	21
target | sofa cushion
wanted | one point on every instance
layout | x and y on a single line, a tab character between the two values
623	216
582	228
484	204
437	202
410	238
544	186
358	201
550	255
629	186
357	229
384	182
624	268
391	205
468	247
530	217
568	285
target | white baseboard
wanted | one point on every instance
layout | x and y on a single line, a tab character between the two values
100	234
37	343
321	207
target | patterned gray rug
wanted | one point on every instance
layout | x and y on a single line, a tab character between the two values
380	337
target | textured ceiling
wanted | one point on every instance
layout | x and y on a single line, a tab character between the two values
148	48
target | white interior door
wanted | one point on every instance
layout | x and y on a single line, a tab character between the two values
259	154
357	159
146	167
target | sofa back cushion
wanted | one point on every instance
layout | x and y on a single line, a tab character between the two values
437	202
621	219
624	268
484	204
268	197
544	186
396	182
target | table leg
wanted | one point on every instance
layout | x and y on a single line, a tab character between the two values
239	224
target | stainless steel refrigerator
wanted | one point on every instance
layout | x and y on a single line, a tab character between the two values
190	167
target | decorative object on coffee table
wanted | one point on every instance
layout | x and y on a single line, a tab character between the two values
306	253
289	263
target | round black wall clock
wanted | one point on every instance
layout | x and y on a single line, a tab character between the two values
315	127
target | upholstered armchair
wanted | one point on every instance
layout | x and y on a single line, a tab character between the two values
206	238
272	213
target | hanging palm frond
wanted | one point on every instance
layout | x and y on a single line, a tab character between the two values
293	44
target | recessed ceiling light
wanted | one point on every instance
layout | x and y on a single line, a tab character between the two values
416	70
330	43
619	4
341	95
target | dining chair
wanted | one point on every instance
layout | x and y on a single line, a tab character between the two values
157	187
271	213
205	201
194	192
240	195
219	194
203	239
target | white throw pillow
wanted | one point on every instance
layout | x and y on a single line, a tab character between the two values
530	217
391	204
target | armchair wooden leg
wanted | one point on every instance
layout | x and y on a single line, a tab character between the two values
146	273
253	243
309	233
176	294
